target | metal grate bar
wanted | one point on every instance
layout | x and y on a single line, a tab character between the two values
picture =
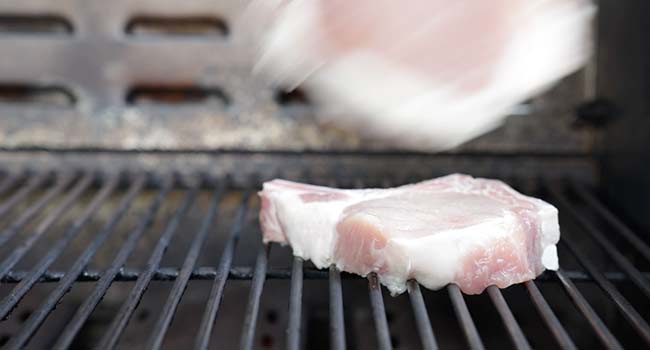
19	291
464	317
28	214
337	320
624	231
165	319
545	311
620	260
18	252
41	313
220	276
116	328
84	311
337	323
552	322
603	333
378	312
516	334
422	321
127	274
55	251
252	309
295	305
622	304
10	181
377	300
33	183
295	296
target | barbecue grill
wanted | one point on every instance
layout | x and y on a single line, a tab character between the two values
128	207
553	321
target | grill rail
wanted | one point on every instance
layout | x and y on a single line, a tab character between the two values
61	190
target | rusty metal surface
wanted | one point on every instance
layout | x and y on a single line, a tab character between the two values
96	62
245	167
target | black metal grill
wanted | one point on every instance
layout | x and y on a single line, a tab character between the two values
55	207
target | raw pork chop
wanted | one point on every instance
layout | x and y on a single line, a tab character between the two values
453	229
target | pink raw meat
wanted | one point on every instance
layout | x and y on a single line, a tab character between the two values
453	229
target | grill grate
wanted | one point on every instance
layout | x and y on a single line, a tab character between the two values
43	198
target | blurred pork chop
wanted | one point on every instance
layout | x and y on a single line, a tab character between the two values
425	74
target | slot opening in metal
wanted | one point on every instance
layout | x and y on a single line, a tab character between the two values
35	24
177	26
175	95
30	94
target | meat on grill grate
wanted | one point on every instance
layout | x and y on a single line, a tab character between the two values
59	300
453	229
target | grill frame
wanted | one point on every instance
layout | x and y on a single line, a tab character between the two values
54	184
